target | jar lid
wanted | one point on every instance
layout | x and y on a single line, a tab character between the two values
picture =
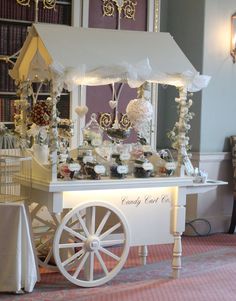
93	125
115	156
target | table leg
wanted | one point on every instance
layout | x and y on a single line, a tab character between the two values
143	253
177	253
233	219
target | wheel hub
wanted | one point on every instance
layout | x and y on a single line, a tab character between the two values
92	243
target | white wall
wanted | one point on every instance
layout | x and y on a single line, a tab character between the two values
218	120
214	206
184	20
202	30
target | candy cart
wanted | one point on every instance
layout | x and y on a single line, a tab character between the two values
88	225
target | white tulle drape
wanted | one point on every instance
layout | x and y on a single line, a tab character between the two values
134	74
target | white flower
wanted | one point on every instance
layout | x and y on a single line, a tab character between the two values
184	110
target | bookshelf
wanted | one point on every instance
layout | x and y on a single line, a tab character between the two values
14	21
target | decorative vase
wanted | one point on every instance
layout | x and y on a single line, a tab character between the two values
41	153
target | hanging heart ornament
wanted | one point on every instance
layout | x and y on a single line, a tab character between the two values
112	104
81	110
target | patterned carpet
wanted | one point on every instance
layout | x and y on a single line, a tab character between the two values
208	273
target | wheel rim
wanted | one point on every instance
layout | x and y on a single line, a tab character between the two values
44	232
99	236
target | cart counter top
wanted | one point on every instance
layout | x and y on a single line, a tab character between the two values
81	185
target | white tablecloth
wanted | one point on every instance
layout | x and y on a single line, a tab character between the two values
18	268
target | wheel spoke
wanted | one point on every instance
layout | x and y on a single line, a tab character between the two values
91	267
71	245
110	243
39	234
74	233
76	273
33	212
45	222
76	255
42	244
103	222
42	232
83	225
93	220
109	231
55	219
102	263
74	222
114	256
48	256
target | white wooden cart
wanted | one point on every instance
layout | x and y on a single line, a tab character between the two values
107	217
92	224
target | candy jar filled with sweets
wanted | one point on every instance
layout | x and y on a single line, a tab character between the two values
68	170
143	168
92	133
118	169
166	164
91	168
125	157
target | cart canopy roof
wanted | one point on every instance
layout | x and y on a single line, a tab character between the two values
85	56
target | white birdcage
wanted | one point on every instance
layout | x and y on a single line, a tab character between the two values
15	178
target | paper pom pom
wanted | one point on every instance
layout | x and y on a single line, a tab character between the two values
41	113
139	111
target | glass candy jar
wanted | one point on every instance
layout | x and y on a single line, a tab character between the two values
143	168
92	133
166	163
118	170
91	168
68	170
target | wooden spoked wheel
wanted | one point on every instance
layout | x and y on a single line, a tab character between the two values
99	236
44	224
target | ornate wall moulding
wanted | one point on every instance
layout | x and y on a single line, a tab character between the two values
125	6
48	4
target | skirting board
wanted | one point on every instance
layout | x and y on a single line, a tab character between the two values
214	206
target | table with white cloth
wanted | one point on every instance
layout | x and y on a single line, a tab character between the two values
17	254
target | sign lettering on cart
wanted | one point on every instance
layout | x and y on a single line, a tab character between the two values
147	199
148	211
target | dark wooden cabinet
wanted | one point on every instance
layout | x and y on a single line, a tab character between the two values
14	21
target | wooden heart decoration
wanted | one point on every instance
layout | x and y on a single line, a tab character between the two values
81	110
112	104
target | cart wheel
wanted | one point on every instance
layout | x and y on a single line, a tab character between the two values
44	227
100	237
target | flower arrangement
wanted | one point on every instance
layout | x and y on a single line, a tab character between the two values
40	118
65	132
41	113
21	106
65	128
178	135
